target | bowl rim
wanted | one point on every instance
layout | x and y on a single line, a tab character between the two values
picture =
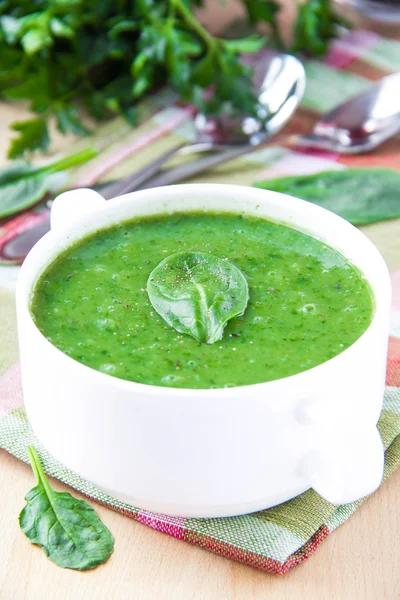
303	377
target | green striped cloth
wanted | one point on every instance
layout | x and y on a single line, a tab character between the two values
273	540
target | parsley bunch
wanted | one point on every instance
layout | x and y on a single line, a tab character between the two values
106	54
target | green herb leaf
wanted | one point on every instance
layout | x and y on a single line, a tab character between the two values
33	134
60	29
198	293
361	196
122	27
205	69
34	40
262	10
68	120
247	45
265	11
11	28
107	55
69	531
316	26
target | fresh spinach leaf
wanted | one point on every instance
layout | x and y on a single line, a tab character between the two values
22	185
69	531
197	293
15	170
361	196
21	194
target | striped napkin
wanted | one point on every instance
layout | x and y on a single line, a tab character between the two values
279	538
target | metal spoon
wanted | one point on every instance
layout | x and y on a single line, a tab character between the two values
360	124
279	82
356	126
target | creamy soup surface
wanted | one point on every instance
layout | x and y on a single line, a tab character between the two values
307	302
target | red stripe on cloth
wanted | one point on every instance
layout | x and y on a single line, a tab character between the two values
351	46
264	563
387	156
305	551
170	525
393	365
11	390
226	550
91	176
314	153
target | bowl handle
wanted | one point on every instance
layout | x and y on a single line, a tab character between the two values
346	463
71	206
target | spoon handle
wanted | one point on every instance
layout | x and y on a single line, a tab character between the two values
138	179
198	166
134	181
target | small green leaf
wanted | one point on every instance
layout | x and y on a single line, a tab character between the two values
11	28
262	10
130	113
315	27
122	27
138	64
180	72
34	40
204	70
359	195
141	84
33	134
188	44
96	105
68	530
67	120
248	45
60	29
198	293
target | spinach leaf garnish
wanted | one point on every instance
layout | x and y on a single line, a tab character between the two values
198	293
361	196
69	531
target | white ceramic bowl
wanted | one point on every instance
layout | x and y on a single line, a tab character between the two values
210	453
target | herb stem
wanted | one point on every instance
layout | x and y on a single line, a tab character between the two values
37	468
34	460
193	24
210	41
69	161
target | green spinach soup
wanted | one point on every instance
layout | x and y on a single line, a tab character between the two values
289	302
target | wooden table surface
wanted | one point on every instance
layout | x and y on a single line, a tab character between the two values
360	561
